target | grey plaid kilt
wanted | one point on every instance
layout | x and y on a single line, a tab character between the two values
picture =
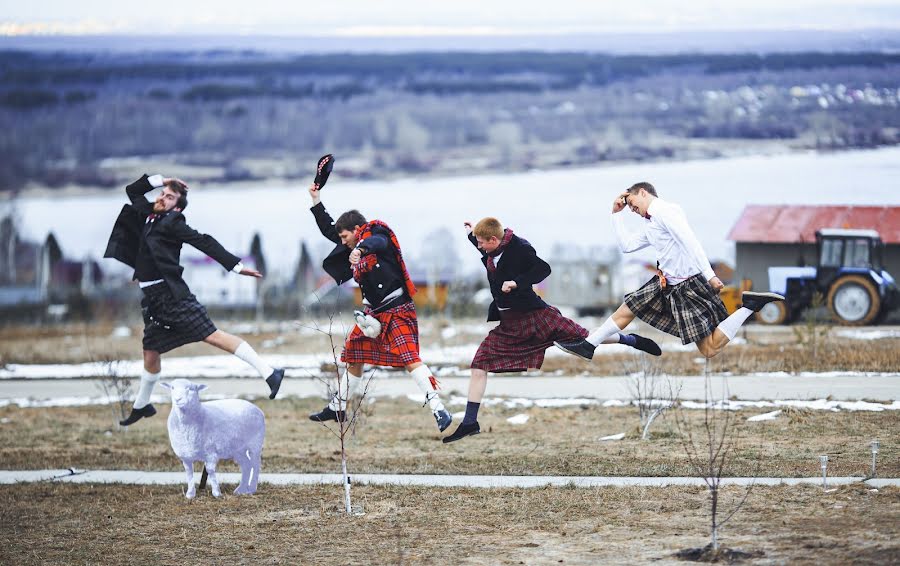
519	341
690	310
168	323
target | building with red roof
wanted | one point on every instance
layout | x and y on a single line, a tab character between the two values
773	235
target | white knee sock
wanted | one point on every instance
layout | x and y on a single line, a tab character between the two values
148	380
423	378
732	324
607	330
347	387
245	352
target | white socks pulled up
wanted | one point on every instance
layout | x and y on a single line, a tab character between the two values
249	355
145	390
347	387
423	378
606	331
732	324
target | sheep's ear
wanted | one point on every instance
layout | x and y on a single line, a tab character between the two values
165	384
199	386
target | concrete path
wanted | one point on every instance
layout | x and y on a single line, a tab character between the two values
742	387
176	478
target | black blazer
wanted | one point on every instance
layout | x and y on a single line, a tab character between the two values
519	263
163	239
376	284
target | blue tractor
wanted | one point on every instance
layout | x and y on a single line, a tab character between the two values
849	274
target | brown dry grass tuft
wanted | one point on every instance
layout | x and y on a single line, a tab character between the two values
52	523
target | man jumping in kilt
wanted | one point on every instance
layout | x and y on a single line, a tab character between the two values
368	252
148	237
683	298
528	325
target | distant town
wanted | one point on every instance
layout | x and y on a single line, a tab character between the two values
82	119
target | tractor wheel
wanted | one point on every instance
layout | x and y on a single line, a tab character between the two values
853	300
773	313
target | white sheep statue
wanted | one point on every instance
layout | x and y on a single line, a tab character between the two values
230	429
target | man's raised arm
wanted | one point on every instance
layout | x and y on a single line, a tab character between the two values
139	188
628	241
323	220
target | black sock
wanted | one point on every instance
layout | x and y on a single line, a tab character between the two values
471	413
628	339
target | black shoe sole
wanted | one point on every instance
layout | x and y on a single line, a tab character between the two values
647	346
572	352
453	438
273	391
135	417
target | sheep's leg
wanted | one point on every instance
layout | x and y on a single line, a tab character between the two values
246	464
213	481
256	459
191	488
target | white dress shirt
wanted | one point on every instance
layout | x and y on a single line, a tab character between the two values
678	250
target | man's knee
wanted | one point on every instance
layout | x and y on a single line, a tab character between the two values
706	348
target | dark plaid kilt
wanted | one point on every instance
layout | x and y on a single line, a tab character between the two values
396	346
519	341
168	323
690	310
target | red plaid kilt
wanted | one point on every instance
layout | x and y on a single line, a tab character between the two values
519	341
396	346
690	310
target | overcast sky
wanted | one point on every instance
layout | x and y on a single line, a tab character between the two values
429	18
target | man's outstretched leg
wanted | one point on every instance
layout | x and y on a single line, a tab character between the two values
428	385
336	409
725	332
237	346
142	407
610	332
469	425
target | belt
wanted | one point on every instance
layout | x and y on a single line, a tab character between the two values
395	302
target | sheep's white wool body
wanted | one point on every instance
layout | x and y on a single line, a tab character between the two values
230	429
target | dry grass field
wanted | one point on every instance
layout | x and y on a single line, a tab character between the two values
399	436
52	523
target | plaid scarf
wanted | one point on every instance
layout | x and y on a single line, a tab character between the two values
507	236
368	261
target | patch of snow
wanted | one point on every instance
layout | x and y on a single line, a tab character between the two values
868	334
121	332
619	436
519	419
765	416
5	420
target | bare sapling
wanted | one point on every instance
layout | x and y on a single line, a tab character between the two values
339	388
115	386
711	450
652	392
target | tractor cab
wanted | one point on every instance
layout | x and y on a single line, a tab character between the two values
846	251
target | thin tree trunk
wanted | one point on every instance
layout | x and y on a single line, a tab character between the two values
347	506
715	527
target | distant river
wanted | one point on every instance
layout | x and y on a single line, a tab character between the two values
569	206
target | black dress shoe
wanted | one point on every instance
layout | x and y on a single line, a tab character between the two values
443	419
274	382
581	348
138	414
463	431
328	414
756	301
647	345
